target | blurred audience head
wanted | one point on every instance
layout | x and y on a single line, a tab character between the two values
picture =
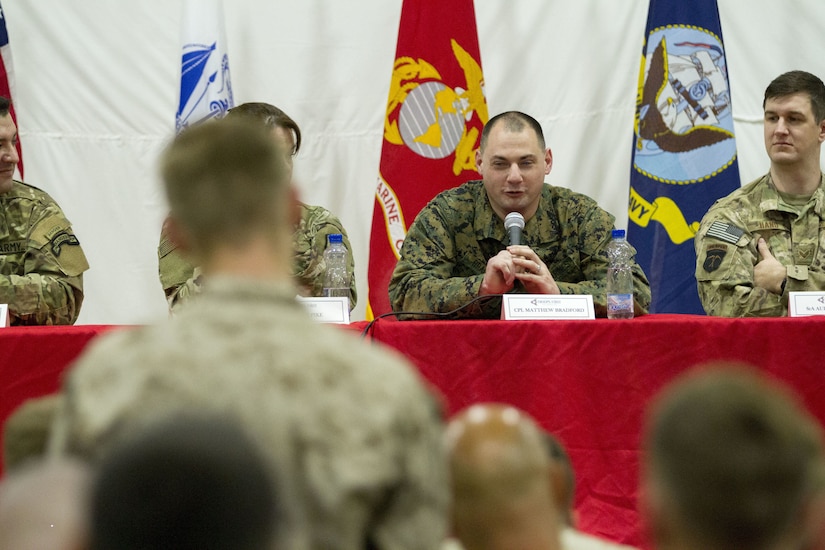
43	505
26	431
191	482
227	185
732	461
563	478
500	480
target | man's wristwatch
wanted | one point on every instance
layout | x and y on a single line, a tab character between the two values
782	286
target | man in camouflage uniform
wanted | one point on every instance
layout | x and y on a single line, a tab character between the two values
41	262
456	249
767	239
351	434
181	279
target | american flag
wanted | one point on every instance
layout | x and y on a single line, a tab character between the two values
7	79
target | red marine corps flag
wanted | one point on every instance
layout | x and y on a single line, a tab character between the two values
435	113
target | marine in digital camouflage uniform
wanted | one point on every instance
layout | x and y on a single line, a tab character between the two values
181	280
457	248
351	434
447	248
767	239
41	261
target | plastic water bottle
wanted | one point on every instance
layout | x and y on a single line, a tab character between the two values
619	277
336	277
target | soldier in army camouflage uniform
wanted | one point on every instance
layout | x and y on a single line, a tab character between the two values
181	279
41	262
767	239
456	249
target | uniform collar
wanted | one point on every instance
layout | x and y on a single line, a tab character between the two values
771	201
542	228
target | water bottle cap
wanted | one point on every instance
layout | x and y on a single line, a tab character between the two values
618	233
336	238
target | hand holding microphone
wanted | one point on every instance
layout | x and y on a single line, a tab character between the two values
530	269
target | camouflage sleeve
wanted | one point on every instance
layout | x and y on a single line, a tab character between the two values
595	229
724	269
177	276
414	514
50	290
309	243
423	279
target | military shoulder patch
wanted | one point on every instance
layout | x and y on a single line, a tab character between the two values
63	238
725	231
714	256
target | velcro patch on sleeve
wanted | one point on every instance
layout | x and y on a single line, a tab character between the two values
725	232
714	254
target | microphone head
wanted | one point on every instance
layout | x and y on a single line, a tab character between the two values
513	219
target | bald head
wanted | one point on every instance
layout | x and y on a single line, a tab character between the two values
501	480
43	505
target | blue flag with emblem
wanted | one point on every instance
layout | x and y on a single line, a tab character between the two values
684	150
205	84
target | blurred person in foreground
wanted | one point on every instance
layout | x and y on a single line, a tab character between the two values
351	434
563	479
44	506
501	485
190	483
457	249
311	225
732	461
767	239
41	262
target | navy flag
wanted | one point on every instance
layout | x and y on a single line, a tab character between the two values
684	151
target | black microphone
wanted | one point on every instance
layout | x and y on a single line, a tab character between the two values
514	223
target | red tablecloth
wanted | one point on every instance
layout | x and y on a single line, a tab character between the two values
588	382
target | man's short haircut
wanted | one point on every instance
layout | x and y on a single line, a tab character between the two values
794	82
514	121
734	456
226	180
190	483
269	115
5	105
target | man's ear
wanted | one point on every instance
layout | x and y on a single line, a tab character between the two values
177	235
559	493
657	520
294	206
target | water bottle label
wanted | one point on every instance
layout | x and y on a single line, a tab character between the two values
617	303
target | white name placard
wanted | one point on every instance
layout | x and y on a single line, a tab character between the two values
327	310
806	304
4	315
547	306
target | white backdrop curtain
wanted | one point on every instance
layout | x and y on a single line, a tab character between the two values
97	84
